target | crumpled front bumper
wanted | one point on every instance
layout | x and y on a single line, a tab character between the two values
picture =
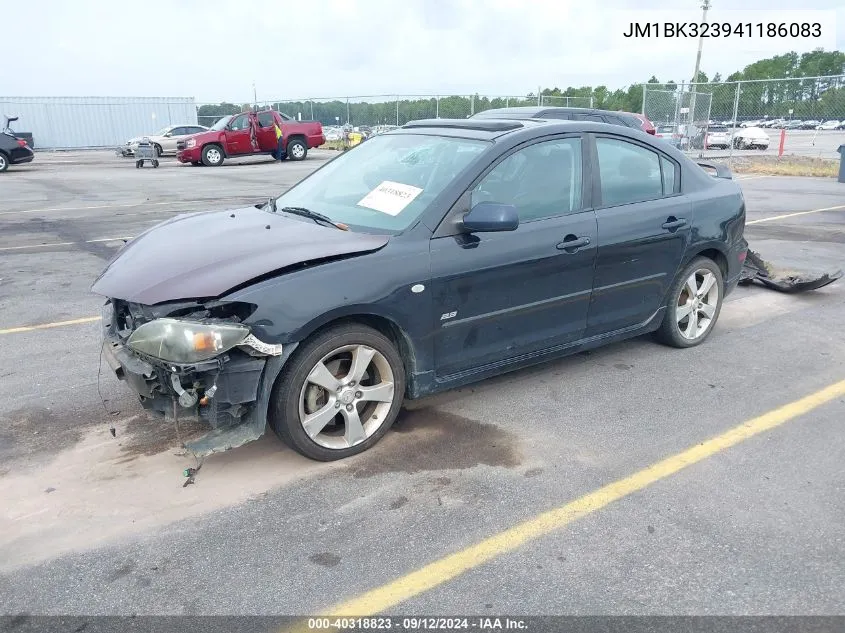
230	393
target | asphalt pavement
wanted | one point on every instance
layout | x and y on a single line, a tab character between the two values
94	524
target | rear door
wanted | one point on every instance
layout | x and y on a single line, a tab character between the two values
644	224
267	131
238	136
498	296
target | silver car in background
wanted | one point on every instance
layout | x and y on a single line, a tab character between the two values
164	141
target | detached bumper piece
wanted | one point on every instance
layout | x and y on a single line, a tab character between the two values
757	269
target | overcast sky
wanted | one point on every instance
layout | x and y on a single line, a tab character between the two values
215	49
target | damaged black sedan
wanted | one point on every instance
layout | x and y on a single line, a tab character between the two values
430	257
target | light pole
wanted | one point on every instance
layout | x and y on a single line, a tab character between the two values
705	5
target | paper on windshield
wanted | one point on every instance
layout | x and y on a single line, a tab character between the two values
390	197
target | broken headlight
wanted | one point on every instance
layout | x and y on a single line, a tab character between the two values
178	341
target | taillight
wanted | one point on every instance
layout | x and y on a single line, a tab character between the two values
742	255
21	142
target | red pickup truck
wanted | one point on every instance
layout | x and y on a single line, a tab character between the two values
249	134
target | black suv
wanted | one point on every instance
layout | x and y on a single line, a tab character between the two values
627	119
13	150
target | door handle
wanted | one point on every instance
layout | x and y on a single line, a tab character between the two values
572	243
673	223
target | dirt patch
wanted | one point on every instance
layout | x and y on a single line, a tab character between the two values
100	493
150	435
428	439
785	166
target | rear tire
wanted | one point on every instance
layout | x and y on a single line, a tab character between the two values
296	149
364	380
212	155
694	304
4	162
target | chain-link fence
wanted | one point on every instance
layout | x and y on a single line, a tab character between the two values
803	116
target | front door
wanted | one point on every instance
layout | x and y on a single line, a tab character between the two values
498	296
644	224
238	140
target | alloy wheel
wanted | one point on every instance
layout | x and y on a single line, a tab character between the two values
213	155
3	163
346	396
697	304
298	151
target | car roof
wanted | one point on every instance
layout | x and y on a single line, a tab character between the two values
492	129
538	112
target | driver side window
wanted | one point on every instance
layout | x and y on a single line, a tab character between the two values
542	180
240	122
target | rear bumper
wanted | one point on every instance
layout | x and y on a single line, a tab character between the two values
21	155
316	141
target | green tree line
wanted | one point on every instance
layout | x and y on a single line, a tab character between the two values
808	98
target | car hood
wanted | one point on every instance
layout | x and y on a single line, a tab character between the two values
202	255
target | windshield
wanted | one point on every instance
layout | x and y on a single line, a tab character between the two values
385	183
221	123
162	131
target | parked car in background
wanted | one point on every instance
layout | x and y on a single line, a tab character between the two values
809	125
250	134
165	140
668	133
751	138
793	124
754	123
829	125
13	150
841	126
714	137
626	119
379	277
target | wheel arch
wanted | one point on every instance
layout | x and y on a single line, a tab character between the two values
716	254
218	143
385	324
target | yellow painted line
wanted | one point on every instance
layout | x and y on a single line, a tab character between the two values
46	326
792	215
100	206
50	244
441	571
171	203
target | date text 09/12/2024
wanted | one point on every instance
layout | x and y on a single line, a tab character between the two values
723	29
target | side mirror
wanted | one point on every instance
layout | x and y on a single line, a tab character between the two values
488	217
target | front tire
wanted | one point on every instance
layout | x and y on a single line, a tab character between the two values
339	394
695	301
296	149
212	155
158	149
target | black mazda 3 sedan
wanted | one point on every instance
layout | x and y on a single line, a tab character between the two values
429	257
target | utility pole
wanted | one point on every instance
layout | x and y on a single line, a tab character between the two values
254	95
705	6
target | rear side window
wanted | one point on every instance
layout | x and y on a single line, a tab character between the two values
669	178
178	131
265	119
629	173
590	117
